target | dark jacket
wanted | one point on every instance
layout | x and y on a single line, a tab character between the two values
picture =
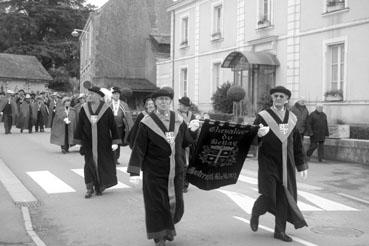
318	126
302	114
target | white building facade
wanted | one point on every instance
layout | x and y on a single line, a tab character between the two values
317	49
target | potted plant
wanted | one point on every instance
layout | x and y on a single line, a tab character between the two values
236	93
334	95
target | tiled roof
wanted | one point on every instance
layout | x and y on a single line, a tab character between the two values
136	85
22	67
161	38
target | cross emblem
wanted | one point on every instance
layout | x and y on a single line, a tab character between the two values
170	137
283	128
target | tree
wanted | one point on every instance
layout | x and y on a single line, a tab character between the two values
42	28
221	102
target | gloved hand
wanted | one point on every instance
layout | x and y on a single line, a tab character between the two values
135	180
263	130
114	147
66	120
194	125
304	174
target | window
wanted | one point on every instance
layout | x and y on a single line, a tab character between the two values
264	16
334	5
336	66
217	21
184	83
216	75
184	40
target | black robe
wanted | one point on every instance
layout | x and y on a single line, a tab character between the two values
107	134
270	166
133	132
152	153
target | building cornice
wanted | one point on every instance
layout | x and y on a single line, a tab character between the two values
180	4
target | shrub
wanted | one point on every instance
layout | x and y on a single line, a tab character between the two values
236	93
222	103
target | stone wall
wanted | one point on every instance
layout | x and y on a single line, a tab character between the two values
345	150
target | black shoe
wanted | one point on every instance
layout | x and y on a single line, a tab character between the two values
282	236
63	151
254	222
98	191
89	193
117	163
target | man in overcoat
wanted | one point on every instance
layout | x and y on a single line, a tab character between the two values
318	131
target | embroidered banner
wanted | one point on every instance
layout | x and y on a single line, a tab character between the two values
219	154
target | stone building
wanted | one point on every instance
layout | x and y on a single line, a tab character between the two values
121	43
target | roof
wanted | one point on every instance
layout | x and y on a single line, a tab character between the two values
249	57
22	67
135	84
161	38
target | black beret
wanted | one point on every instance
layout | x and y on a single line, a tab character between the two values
162	93
115	90
97	90
281	89
185	101
149	97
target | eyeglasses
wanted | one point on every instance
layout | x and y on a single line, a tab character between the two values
278	95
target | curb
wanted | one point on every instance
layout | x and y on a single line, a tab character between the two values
22	198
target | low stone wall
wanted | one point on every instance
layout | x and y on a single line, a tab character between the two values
345	150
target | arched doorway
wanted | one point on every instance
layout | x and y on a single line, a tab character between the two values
255	72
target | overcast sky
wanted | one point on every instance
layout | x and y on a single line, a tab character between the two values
98	3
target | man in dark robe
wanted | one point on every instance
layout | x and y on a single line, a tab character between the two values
9	110
24	119
149	106
123	120
280	153
98	136
159	152
184	111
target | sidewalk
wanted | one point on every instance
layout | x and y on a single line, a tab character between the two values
12	228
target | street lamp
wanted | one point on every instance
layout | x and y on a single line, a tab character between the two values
76	32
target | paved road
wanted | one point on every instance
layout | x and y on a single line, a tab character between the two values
334	200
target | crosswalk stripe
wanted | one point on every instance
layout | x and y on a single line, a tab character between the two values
124	170
296	239
243	201
49	182
120	185
325	203
248	180
254	181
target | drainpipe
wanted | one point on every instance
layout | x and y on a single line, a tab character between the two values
173	49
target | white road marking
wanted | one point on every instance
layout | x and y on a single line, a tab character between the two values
246	179
243	201
254	181
120	185
296	239
307	187
124	170
246	205
354	198
325	203
49	182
